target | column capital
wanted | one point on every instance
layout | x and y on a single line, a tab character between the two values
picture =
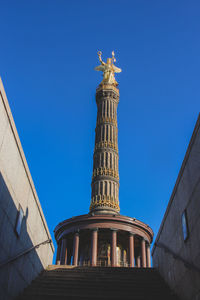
114	229
144	239
131	233
94	229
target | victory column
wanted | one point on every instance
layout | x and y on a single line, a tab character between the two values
105	180
103	237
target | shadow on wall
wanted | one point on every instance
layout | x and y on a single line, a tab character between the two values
16	275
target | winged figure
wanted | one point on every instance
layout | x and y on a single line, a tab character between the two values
108	69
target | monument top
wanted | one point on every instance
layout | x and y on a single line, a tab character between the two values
108	69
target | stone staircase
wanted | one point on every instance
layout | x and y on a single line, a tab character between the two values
96	283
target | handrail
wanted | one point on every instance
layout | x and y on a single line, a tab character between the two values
187	264
49	241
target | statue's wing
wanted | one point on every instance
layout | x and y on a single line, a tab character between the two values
100	68
116	69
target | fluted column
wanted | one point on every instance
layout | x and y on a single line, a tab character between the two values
143	252
94	247
76	248
63	253
148	256
106	147
114	248
131	250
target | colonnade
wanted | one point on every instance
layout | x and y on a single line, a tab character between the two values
142	259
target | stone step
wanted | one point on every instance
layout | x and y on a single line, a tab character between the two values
97	297
94	283
89	271
100	277
134	287
103	291
149	294
97	282
97	269
108	275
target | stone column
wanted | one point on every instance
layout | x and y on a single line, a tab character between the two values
131	250
107	95
143	251
114	248
63	254
94	247
69	255
138	263
148	256
58	253
75	249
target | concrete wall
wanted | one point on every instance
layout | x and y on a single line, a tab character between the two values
185	281
17	188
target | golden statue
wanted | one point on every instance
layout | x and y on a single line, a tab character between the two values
108	69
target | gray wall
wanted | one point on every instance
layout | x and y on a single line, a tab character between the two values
17	188
186	195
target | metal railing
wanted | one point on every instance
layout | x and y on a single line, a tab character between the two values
187	264
49	241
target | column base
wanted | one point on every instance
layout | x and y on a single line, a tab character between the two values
104	211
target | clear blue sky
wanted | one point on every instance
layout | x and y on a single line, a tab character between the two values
48	53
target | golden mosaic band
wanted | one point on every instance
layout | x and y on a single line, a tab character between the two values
106	145
105	171
101	201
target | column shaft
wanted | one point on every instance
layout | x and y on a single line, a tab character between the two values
94	247
104	99
58	253
148	256
138	263
63	252
131	250
114	249
76	248
143	251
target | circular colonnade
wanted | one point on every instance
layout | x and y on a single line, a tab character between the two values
103	240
